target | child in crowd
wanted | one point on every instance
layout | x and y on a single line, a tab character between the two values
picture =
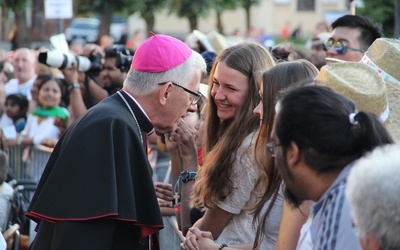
16	107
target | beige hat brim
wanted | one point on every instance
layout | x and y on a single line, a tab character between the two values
217	41
358	82
393	122
383	56
203	40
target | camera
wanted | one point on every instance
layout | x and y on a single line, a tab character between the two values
124	58
57	59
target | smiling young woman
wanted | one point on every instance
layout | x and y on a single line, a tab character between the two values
230	135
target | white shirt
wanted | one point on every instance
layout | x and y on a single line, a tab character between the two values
239	229
305	242
39	131
13	87
3	244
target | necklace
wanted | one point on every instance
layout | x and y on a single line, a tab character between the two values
133	114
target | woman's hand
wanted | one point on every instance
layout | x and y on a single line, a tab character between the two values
196	240
61	124
171	142
186	142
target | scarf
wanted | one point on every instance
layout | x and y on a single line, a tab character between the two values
51	112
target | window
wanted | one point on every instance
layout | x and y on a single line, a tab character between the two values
306	5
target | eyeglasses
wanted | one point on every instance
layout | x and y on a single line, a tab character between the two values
194	97
340	46
272	148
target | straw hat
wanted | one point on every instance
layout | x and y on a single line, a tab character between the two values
203	40
358	82
213	41
217	41
384	56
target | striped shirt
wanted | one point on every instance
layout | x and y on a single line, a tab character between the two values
331	223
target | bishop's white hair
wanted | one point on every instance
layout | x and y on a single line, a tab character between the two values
373	189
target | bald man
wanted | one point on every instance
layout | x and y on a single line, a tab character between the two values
24	62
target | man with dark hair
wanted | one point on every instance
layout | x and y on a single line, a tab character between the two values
351	36
316	137
111	77
317	54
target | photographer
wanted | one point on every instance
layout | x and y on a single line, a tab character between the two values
112	77
84	88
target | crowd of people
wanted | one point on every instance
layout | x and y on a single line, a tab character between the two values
250	147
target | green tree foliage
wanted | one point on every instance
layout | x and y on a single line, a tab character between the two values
16	5
147	9
220	6
191	10
381	12
92	7
22	32
107	8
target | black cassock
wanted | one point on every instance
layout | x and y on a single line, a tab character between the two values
96	191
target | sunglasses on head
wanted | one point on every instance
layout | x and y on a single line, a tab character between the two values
340	46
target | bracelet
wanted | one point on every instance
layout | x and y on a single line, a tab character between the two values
222	246
186	176
73	86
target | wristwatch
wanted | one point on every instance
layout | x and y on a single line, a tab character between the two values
186	176
72	86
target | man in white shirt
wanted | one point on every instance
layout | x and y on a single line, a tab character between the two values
24	63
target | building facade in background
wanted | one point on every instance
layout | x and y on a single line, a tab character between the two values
269	15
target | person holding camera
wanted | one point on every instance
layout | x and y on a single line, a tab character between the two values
83	86
93	91
112	76
96	191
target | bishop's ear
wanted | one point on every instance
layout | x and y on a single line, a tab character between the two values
164	93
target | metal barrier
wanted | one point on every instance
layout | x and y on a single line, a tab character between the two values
170	236
16	164
27	163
